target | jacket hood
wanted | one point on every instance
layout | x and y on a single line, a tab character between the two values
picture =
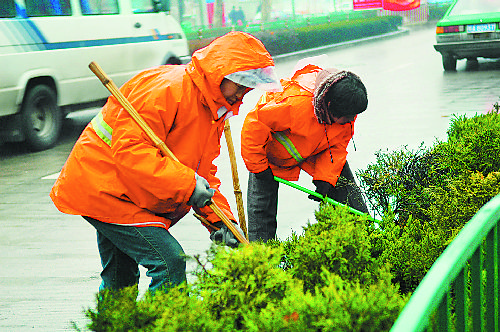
324	81
231	53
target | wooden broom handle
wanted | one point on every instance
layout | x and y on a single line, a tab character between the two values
111	86
236	181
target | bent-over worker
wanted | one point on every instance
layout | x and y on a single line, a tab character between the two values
116	178
306	126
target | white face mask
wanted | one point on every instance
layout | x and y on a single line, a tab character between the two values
223	112
259	78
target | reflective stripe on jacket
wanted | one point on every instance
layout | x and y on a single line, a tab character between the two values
102	129
115	173
282	132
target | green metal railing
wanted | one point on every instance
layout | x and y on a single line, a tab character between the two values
461	290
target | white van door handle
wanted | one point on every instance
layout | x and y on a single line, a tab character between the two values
137	25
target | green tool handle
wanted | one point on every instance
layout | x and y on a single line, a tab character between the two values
328	199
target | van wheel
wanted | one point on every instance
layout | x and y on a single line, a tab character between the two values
449	62
41	118
173	60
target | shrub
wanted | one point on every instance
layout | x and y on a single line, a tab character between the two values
339	305
280	42
337	32
437	10
245	290
410	250
119	311
458	201
241	281
338	243
426	196
398	180
344	273
395	182
473	145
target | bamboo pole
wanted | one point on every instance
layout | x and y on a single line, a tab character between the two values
111	86
205	222
236	180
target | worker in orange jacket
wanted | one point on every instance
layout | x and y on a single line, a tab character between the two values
116	178
306	126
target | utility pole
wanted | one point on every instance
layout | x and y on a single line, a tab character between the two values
266	10
218	10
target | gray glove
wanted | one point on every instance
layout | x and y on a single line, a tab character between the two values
202	193
224	235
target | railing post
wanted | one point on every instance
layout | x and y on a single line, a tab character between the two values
497	283
461	301
443	313
490	295
476	290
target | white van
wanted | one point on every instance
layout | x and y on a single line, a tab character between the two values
47	45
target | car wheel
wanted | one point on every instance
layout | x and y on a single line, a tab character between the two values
449	62
41	118
472	64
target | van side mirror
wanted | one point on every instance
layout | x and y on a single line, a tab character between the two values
161	5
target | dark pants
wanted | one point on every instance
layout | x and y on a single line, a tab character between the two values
123	248
262	207
346	191
262	202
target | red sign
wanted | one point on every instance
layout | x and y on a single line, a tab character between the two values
366	4
400	5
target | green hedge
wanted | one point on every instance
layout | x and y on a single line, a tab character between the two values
344	272
287	39
250	290
427	195
284	36
437	10
202	32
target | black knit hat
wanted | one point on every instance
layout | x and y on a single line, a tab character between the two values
325	81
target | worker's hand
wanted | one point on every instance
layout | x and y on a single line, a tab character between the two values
225	236
266	175
323	188
202	193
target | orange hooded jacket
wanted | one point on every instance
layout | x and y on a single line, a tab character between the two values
115	174
282	132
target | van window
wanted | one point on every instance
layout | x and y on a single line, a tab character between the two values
7	8
150	6
142	6
99	7
36	8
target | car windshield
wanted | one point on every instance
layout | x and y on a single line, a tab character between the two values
467	7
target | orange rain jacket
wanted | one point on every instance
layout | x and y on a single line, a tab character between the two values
126	180
288	117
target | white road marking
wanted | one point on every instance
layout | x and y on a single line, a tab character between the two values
52	176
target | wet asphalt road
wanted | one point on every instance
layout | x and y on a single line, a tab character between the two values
49	264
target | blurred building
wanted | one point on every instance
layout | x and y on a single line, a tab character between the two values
196	12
